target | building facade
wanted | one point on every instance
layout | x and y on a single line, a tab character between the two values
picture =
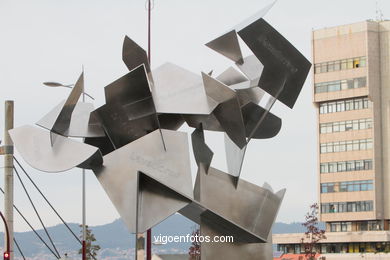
351	93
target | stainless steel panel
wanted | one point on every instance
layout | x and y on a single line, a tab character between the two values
228	46
81	123
178	91
165	187
35	147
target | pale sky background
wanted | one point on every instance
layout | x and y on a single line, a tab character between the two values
44	40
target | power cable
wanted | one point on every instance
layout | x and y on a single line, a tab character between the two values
51	206
20	251
32	228
37	213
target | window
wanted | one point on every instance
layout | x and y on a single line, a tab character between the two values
357	165
354	63
337	65
339	207
347	186
342	126
317	68
338	85
355	145
350	64
324	68
344	105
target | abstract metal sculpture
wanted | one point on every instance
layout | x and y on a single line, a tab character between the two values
142	161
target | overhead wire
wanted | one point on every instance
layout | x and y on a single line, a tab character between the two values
32	228
48	202
37	213
20	250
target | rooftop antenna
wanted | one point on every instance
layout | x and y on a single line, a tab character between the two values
378	12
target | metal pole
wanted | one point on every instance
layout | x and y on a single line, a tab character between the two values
9	176
84	251
6	233
149	232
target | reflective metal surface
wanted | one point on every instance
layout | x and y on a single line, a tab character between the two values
133	55
220	207
146	167
203	154
285	68
234	157
62	123
228	111
228	46
233	251
146	183
129	112
35	147
178	91
269	128
81	123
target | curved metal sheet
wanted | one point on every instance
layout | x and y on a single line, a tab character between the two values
81	123
270	126
35	147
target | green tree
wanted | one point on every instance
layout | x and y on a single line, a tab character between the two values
91	249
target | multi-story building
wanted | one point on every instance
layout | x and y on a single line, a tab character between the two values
351	93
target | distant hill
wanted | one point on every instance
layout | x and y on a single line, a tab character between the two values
114	239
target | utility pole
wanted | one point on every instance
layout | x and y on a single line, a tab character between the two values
8	149
149	231
84	243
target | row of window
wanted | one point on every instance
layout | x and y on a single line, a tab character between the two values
338	85
326	248
343	146
347	186
337	65
354	206
342	126
344	105
371	225
346	166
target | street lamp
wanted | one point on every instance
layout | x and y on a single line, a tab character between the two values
6	254
57	84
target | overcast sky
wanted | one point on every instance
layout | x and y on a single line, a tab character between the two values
44	40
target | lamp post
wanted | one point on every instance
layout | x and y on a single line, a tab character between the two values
8	151
84	252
